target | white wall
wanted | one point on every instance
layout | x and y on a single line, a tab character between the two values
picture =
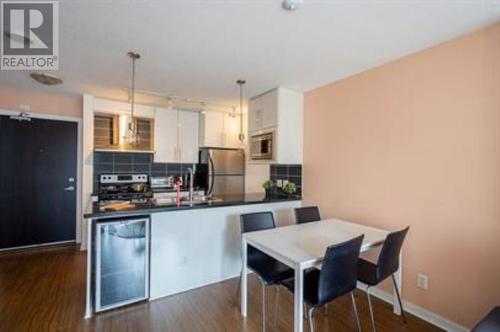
255	175
88	161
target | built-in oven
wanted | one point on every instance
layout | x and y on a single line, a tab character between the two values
262	146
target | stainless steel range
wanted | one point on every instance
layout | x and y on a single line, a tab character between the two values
132	187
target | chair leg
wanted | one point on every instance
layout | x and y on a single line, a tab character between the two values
263	307
371	308
238	289
399	299
355	308
276	311
311	319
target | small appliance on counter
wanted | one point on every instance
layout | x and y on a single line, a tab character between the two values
162	183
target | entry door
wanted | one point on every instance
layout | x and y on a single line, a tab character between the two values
38	163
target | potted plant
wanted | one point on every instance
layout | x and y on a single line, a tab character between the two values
289	188
268	186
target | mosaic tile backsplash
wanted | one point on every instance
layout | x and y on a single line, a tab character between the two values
290	172
129	163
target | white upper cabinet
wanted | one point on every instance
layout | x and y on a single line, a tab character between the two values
211	129
188	123
231	131
270	109
263	111
219	130
255	113
165	135
279	111
176	136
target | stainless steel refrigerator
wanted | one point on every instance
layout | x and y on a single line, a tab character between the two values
221	171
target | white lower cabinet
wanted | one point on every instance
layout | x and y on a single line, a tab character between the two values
194	248
176	136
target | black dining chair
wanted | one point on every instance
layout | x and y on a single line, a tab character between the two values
307	214
269	270
490	323
372	274
337	277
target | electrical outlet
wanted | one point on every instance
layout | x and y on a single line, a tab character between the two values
279	183
422	281
24	107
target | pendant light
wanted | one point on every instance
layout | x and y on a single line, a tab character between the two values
241	136
132	136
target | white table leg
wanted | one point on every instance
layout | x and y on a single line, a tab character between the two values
88	300
299	300
243	285
399	281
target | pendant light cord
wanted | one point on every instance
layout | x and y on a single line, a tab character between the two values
132	99
241	135
133	135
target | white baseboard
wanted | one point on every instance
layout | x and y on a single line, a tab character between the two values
419	312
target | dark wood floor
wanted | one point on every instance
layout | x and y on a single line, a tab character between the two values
44	290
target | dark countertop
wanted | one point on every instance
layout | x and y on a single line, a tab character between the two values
147	208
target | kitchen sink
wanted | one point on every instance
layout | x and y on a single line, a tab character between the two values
199	200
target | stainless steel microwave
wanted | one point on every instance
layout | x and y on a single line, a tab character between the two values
262	146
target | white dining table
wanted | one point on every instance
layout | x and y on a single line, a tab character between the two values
302	246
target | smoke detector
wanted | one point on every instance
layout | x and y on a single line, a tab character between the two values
46	79
291	4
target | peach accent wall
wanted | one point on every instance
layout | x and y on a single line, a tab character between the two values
39	102
416	142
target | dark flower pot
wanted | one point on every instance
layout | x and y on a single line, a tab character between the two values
268	193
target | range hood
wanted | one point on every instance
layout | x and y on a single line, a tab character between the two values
110	131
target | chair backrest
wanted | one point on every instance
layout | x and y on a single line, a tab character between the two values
257	221
339	271
307	214
388	260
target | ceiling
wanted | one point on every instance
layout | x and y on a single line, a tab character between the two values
200	48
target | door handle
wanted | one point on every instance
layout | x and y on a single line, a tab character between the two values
70	188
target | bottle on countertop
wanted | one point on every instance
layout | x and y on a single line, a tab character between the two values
178	186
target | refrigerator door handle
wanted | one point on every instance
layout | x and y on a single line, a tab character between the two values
211	175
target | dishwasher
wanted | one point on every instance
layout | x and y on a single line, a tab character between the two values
121	268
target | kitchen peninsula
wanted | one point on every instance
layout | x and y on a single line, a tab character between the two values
165	210
189	245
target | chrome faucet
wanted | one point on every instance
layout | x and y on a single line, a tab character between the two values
191	184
